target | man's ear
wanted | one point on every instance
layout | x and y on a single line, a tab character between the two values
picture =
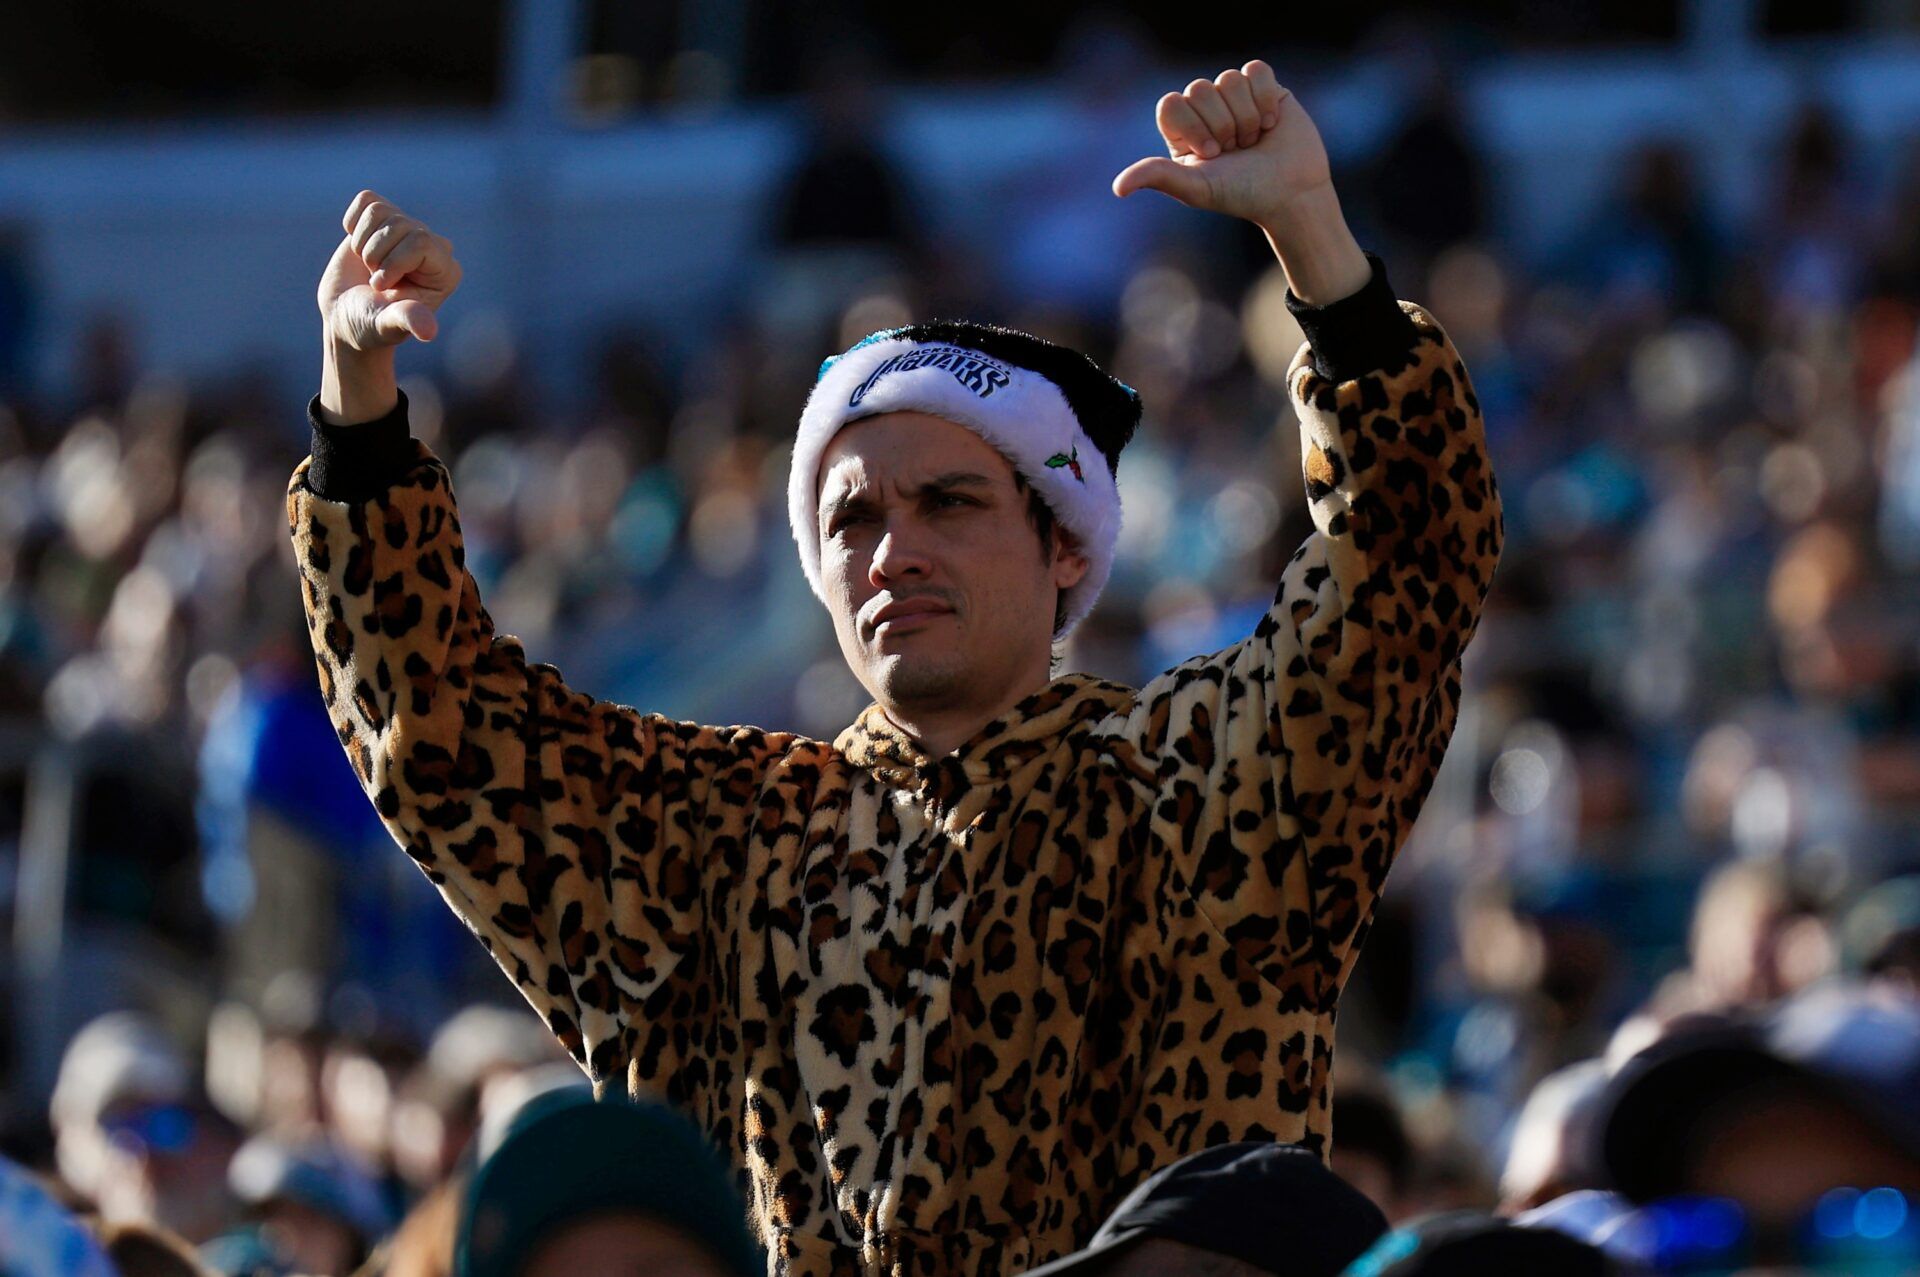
1069	563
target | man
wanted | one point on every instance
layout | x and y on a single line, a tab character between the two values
1773	1111
1374	1152
1551	1151
610	1188
311	1206
1233	1210
133	1132
951	984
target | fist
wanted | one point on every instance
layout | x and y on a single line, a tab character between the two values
387	278
1237	144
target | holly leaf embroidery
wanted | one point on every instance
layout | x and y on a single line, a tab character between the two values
1071	460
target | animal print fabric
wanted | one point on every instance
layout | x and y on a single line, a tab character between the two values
945	1012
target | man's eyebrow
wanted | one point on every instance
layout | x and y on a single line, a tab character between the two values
939	483
843	502
957	479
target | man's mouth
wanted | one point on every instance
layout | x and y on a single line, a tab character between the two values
896	618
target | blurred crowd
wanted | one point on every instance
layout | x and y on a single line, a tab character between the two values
1647	975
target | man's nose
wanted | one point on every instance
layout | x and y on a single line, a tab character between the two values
900	553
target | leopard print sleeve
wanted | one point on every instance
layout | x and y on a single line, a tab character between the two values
583	842
1289	767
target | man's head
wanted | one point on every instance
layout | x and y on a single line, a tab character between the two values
317	1207
944	569
1229	1211
617	1187
133	1132
1823	1092
1550	1153
1374	1152
968	472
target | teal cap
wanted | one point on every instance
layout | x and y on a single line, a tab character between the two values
568	1156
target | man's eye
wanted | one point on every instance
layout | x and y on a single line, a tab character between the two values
948	496
846	520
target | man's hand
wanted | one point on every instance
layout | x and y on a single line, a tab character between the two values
1240	144
383	285
386	279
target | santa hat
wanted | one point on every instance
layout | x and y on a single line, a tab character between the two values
1050	411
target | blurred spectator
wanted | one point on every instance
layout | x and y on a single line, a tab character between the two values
1813	243
484	1042
423	1244
1426	189
1652	240
1372	1151
438	1111
1880	934
296	863
1550	1153
577	1186
1231	1209
132	1133
1539	967
312	1207
360	1081
1899	527
292	1046
1450	1173
844	189
509	1095
1773	1113
845	221
1752	940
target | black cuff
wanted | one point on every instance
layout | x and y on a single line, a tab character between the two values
353	463
1358	333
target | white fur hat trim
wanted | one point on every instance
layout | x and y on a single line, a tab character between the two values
1015	409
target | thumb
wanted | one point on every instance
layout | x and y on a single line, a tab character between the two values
400	320
1169	177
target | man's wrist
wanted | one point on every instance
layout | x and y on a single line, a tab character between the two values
1322	260
1364	331
358	461
356	386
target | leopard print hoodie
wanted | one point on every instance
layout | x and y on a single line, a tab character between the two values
943	1012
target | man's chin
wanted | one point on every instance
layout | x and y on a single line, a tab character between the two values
912	678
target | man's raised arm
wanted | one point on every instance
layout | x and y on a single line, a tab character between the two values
572	835
1291	765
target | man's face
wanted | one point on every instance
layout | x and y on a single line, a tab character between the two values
920	512
1776	1148
1163	1257
163	1161
622	1245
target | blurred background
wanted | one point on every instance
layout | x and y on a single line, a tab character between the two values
1678	245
